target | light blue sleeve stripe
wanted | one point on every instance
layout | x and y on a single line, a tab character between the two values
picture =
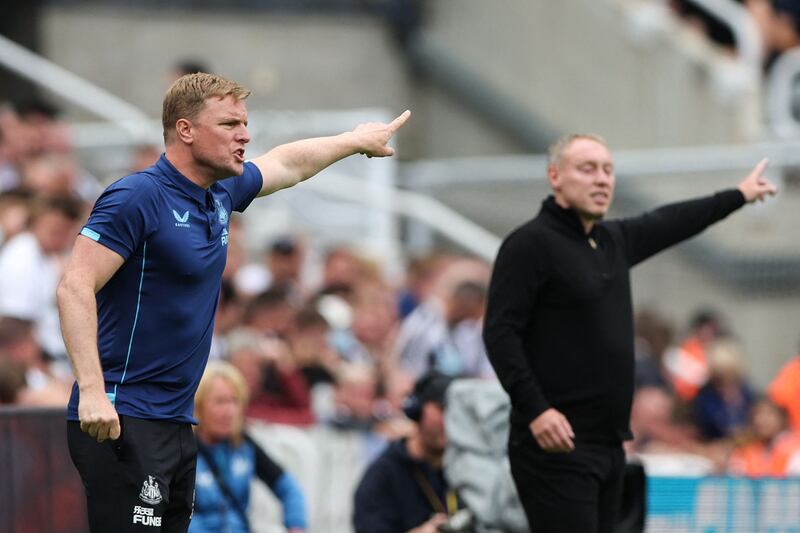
86	232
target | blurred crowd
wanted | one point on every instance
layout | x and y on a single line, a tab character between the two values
778	23
693	397
343	347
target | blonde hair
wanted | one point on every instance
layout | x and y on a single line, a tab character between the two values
556	150
228	372
187	96
725	357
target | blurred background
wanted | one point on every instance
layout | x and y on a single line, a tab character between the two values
689	94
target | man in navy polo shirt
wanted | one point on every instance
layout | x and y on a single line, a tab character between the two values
138	297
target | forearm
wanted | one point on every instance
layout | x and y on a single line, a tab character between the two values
78	313
289	164
668	225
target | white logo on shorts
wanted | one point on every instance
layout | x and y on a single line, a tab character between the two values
145	516
150	492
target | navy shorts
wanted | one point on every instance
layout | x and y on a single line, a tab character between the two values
141	482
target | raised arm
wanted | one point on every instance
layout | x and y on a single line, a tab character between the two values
289	164
648	234
89	269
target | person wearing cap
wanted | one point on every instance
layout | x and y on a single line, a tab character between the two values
559	331
404	489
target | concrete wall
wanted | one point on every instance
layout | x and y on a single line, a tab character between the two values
577	65
289	61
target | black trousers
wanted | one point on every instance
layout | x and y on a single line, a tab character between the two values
141	482
577	492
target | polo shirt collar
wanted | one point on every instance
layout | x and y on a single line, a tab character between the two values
194	191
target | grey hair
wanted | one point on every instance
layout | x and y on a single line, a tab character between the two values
556	150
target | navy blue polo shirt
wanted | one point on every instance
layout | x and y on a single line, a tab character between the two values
156	314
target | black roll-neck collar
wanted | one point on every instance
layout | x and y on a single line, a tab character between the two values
565	217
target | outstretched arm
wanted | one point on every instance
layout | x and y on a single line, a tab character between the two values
648	234
289	164
89	269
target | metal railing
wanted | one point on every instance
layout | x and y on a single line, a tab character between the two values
73	88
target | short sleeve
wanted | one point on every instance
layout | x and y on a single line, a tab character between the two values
243	189
119	219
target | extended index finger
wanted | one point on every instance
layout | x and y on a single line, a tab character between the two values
759	169
399	121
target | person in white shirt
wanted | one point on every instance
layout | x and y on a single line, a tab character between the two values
30	269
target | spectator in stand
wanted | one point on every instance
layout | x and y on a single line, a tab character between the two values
12	380
316	358
354	398
144	156
784	391
270	313
369	338
705	22
446	337
722	406
653	424
687	366
444	332
285	264
779	25
13	145
227	318
279	390
189	65
771	449
652	338
30	267
50	166
18	344
341	268
421	277
404	489
15	213
229	460
280	270
237	255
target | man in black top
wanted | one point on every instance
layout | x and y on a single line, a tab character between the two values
559	331
404	490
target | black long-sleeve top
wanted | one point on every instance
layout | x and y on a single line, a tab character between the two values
559	321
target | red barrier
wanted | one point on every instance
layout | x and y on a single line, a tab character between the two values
40	490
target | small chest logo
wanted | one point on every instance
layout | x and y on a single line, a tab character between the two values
181	221
222	213
225	237
150	492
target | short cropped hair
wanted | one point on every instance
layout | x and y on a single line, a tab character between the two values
556	150
68	206
234	378
187	96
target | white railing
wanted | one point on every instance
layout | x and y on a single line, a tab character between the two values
75	89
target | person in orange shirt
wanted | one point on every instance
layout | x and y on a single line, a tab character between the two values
773	451
687	366
785	391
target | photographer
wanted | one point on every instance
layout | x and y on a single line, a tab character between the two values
404	489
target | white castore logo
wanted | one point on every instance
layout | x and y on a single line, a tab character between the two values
150	492
181	221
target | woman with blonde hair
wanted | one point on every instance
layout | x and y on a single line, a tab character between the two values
228	459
